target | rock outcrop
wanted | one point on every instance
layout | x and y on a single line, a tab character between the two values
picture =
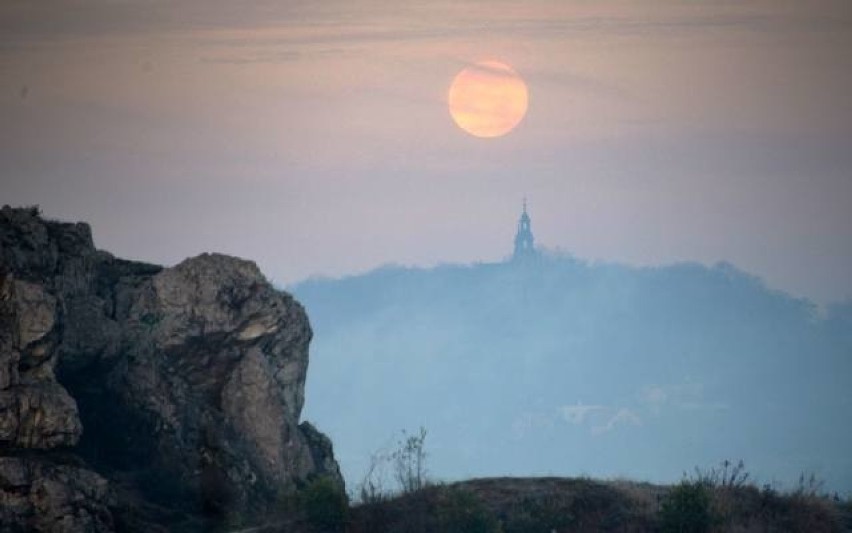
132	394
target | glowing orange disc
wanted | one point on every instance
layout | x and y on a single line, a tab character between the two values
488	99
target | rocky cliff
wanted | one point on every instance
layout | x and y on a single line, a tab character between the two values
133	395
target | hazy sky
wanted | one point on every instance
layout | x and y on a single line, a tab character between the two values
314	137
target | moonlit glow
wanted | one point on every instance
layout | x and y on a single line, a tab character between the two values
488	99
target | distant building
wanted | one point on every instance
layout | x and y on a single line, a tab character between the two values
524	241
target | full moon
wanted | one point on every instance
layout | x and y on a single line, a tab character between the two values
488	99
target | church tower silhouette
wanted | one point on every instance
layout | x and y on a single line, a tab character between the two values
524	241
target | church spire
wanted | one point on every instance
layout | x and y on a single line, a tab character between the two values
524	241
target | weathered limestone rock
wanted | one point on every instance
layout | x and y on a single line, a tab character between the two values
40	416
182	386
40	496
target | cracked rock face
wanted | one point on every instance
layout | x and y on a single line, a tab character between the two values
35	411
42	496
181	387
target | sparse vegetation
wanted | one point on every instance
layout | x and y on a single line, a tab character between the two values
409	461
726	475
408	465
722	499
372	488
719	499
809	486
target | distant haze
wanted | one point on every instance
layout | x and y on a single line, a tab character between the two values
560	367
314	137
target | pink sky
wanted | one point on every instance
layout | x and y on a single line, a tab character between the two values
314	137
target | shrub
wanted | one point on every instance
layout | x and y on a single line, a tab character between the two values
325	505
686	509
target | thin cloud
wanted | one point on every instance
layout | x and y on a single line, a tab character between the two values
624	417
347	23
284	56
579	413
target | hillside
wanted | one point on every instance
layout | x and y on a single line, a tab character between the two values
566	505
562	367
